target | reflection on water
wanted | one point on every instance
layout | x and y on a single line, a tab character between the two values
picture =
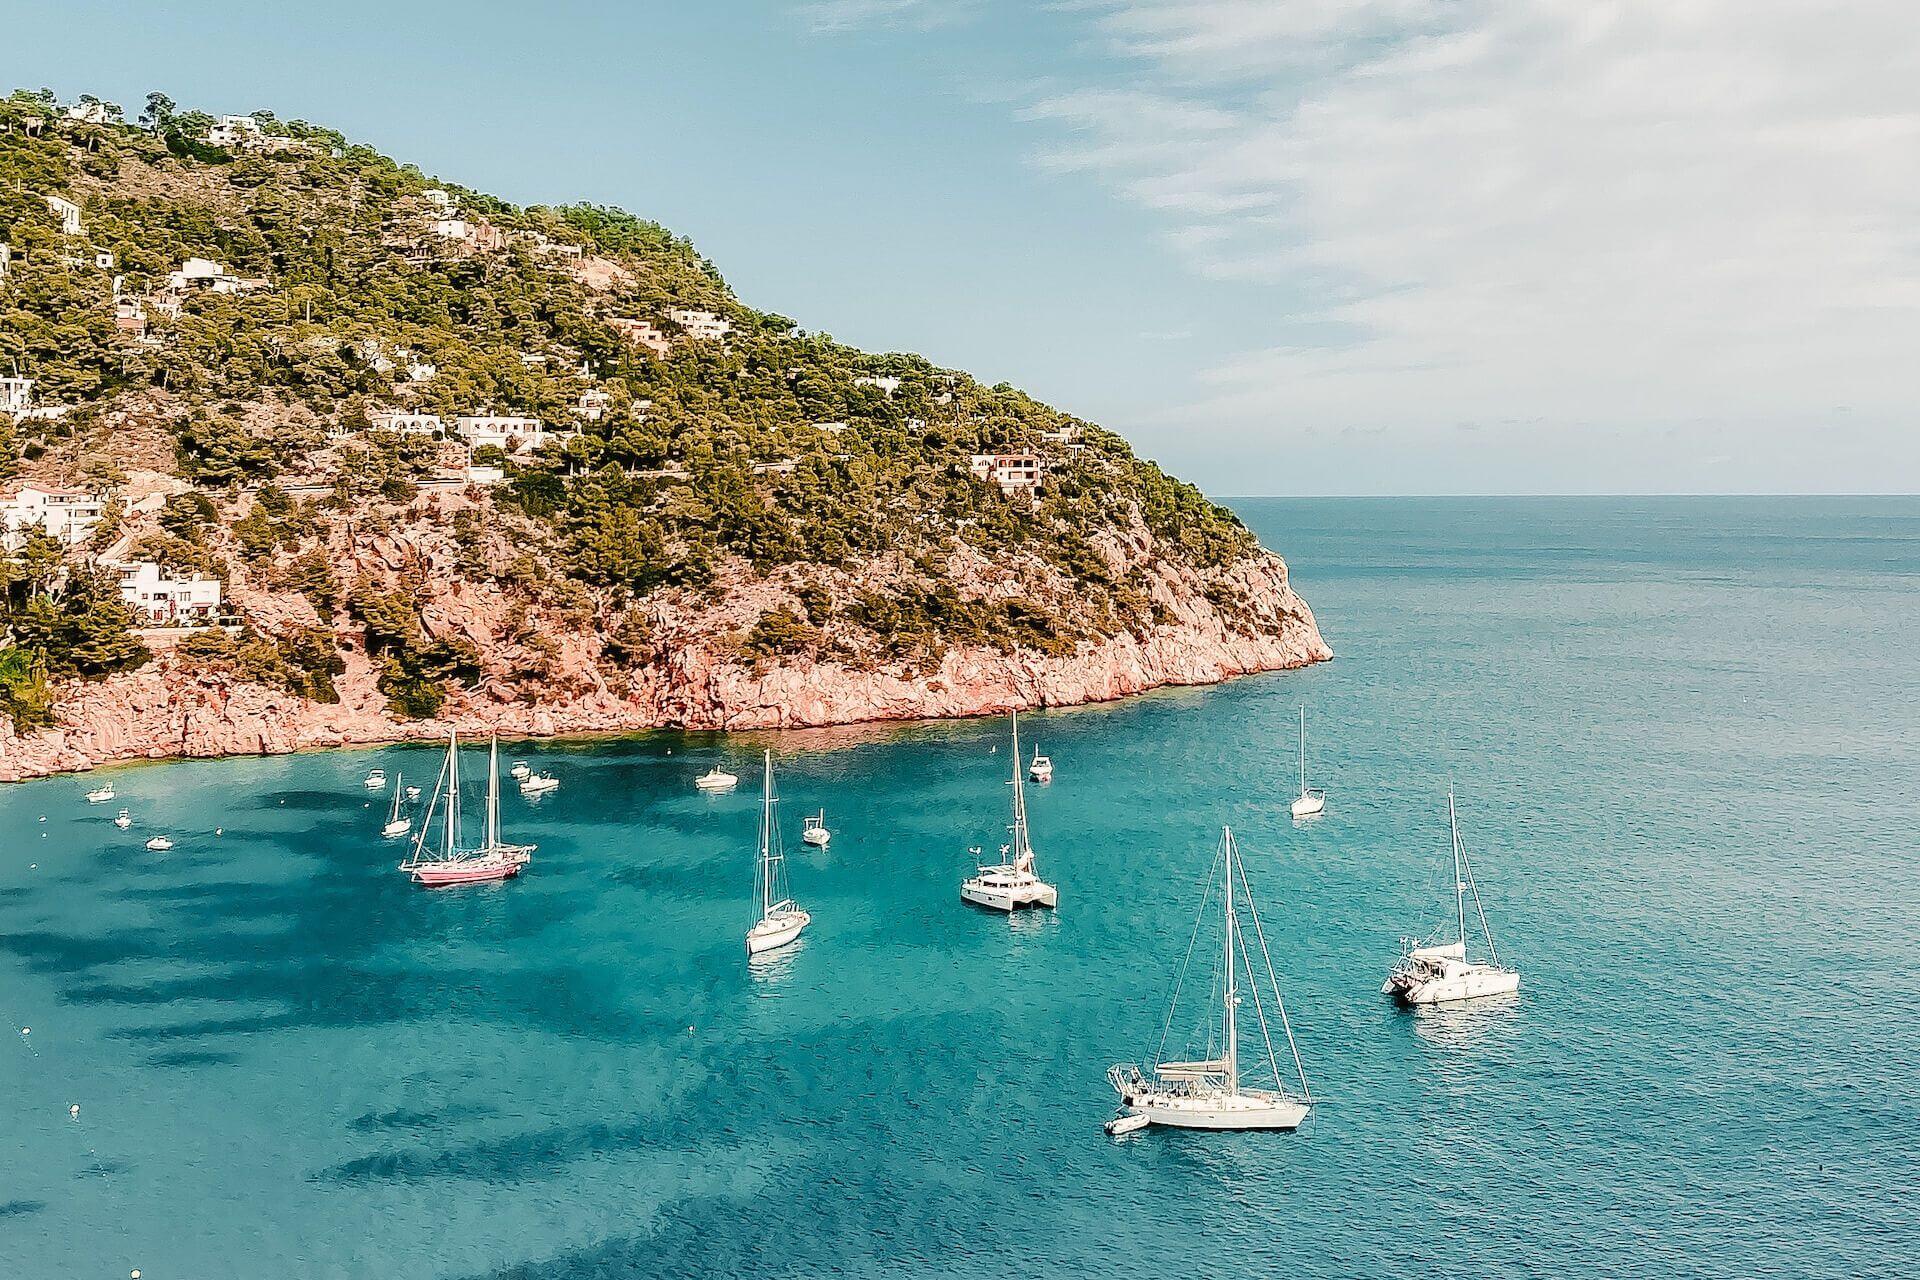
1464	1024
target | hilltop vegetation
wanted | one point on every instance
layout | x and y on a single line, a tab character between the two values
692	460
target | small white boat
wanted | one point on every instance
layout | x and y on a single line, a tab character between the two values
376	779
717	779
1041	770
123	820
159	844
519	769
1435	972
1208	1091
538	784
100	795
398	823
781	919
1311	800
1127	1121
413	793
1012	884
815	832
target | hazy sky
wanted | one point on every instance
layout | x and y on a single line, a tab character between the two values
1287	246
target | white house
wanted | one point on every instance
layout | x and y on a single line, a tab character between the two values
1011	471
407	424
421	371
704	325
162	597
641	333
236	131
593	404
514	435
88	112
887	385
65	515
69	214
16	395
831	428
209	276
1066	435
437	198
6	260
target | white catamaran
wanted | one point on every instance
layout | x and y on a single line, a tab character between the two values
781	919
450	864
1010	885
1436	972
1210	1092
1311	800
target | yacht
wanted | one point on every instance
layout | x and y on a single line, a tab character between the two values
450	864
538	784
1438	971
123	820
100	795
781	919
717	779
815	832
519	770
1010	885
1212	1091
1041	770
159	844
1311	800
398	823
376	779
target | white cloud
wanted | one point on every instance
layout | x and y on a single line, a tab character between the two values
848	15
1569	210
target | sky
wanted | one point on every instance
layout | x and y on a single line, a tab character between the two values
1284	246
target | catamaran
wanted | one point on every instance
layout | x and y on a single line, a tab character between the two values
1436	972
450	864
398	823
815	831
781	919
1311	800
1010	885
1209	1092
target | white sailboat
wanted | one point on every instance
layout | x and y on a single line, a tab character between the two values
1211	1092
1436	972
1010	885
494	859
815	832
398	823
781	919
1311	800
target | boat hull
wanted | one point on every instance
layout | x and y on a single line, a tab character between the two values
1308	805
1009	898
1242	1111
818	841
434	878
398	828
1455	988
774	932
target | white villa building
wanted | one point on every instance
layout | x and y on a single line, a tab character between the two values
65	515
512	434
88	112
236	131
164	598
642	333
16	395
407	424
593	404
1011	471
69	214
889	385
703	325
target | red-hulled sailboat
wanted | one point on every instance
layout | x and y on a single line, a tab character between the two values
450	864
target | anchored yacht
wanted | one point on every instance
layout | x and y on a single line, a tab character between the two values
781	919
1311	800
1010	885
1438	972
1211	1091
450	865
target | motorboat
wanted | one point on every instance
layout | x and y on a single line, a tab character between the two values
1010	884
538	784
717	779
815	831
519	769
159	844
1211	1090
781	918
1041	770
123	820
1439	970
100	795
376	779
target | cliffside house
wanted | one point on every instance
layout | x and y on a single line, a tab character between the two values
229	132
88	113
421	371
1013	472
1067	435
69	214
831	428
704	326
164	598
888	385
473	237
16	395
65	515
406	424
130	316
593	404
202	275
514	435
437	198
641	333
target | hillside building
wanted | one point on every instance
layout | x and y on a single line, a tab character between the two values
704	326
1013	472
162	597
65	515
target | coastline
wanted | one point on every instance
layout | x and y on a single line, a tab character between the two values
166	712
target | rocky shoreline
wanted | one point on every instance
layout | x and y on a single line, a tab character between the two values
169	710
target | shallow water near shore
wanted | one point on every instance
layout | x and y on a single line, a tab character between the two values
1683	733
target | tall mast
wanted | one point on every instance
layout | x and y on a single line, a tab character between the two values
766	834
1020	846
453	793
1459	884
1303	750
493	793
1232	1037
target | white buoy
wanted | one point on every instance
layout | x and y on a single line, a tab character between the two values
74	1111
43	817
26	1031
135	1273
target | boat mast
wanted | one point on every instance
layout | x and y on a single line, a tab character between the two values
1022	850
766	835
1227	987
1459	885
493	794
1303	750
1460	852
398	792
453	793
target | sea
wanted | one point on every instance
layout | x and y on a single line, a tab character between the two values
1684	738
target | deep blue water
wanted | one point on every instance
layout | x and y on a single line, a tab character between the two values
1684	736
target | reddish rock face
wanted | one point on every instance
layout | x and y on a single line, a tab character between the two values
170	709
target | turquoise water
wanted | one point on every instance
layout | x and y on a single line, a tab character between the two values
1684	736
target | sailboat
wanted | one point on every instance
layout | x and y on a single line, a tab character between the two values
1435	972
1311	800
1211	1092
398	824
451	864
815	832
781	919
1012	884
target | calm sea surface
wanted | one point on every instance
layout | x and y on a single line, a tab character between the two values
1686	738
